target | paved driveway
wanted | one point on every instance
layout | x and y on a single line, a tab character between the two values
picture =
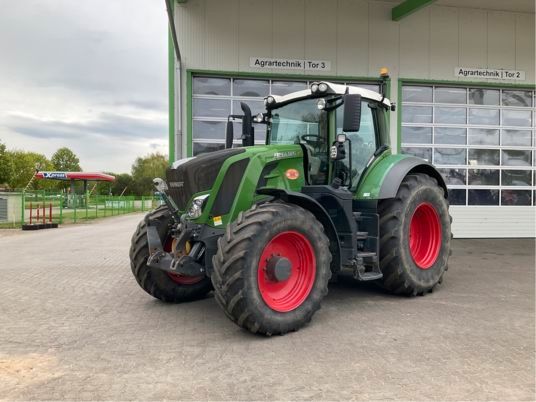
75	325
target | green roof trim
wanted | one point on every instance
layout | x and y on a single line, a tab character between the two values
408	7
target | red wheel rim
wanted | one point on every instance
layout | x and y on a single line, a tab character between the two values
177	278
287	295
425	235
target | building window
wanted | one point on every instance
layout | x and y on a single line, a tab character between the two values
482	140
214	98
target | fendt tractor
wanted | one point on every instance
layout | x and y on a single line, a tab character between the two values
266	227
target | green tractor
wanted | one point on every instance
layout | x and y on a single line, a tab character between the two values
268	226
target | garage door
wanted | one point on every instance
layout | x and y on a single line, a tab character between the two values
482	140
214	98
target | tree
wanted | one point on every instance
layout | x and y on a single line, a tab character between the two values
24	165
145	169
6	165
65	160
123	184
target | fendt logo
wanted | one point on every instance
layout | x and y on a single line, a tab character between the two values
54	175
286	154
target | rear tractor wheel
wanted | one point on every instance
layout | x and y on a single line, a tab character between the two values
272	268
165	286
414	236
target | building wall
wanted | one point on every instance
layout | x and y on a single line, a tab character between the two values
358	37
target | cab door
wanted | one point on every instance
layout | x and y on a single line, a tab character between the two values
363	143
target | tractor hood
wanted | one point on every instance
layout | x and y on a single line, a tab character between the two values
193	175
224	170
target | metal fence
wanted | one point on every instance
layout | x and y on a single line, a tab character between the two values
39	207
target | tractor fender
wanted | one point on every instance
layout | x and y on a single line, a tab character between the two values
313	206
401	169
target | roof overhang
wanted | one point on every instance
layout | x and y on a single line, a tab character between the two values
408	7
89	176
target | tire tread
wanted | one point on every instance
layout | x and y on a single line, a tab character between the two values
231	260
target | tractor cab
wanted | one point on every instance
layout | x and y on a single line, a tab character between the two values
341	129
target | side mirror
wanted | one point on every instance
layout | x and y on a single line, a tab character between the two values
352	113
229	134
247	126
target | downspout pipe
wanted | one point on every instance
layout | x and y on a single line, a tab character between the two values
171	19
176	137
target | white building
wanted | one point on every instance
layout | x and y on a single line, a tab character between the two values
478	129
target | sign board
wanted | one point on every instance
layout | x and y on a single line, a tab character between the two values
492	73
54	175
290	64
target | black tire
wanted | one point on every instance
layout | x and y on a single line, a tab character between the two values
154	281
236	267
401	273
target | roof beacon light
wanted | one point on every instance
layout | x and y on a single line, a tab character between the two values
322	87
384	72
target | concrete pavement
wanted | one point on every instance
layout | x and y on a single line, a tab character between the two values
75	325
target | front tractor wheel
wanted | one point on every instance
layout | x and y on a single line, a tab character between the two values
165	286
414	236
272	268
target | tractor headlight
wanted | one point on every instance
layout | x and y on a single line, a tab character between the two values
196	209
160	185
314	88
270	100
322	87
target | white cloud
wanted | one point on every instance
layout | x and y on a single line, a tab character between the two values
89	75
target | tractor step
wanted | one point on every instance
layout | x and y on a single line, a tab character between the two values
368	276
367	255
361	235
367	260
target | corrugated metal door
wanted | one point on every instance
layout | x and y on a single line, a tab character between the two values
482	141
214	98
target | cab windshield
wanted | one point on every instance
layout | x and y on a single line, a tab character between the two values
290	123
302	122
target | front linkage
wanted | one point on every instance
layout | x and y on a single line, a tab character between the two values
176	262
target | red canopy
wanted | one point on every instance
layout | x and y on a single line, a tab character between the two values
74	176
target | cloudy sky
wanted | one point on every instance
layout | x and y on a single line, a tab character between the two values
90	75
